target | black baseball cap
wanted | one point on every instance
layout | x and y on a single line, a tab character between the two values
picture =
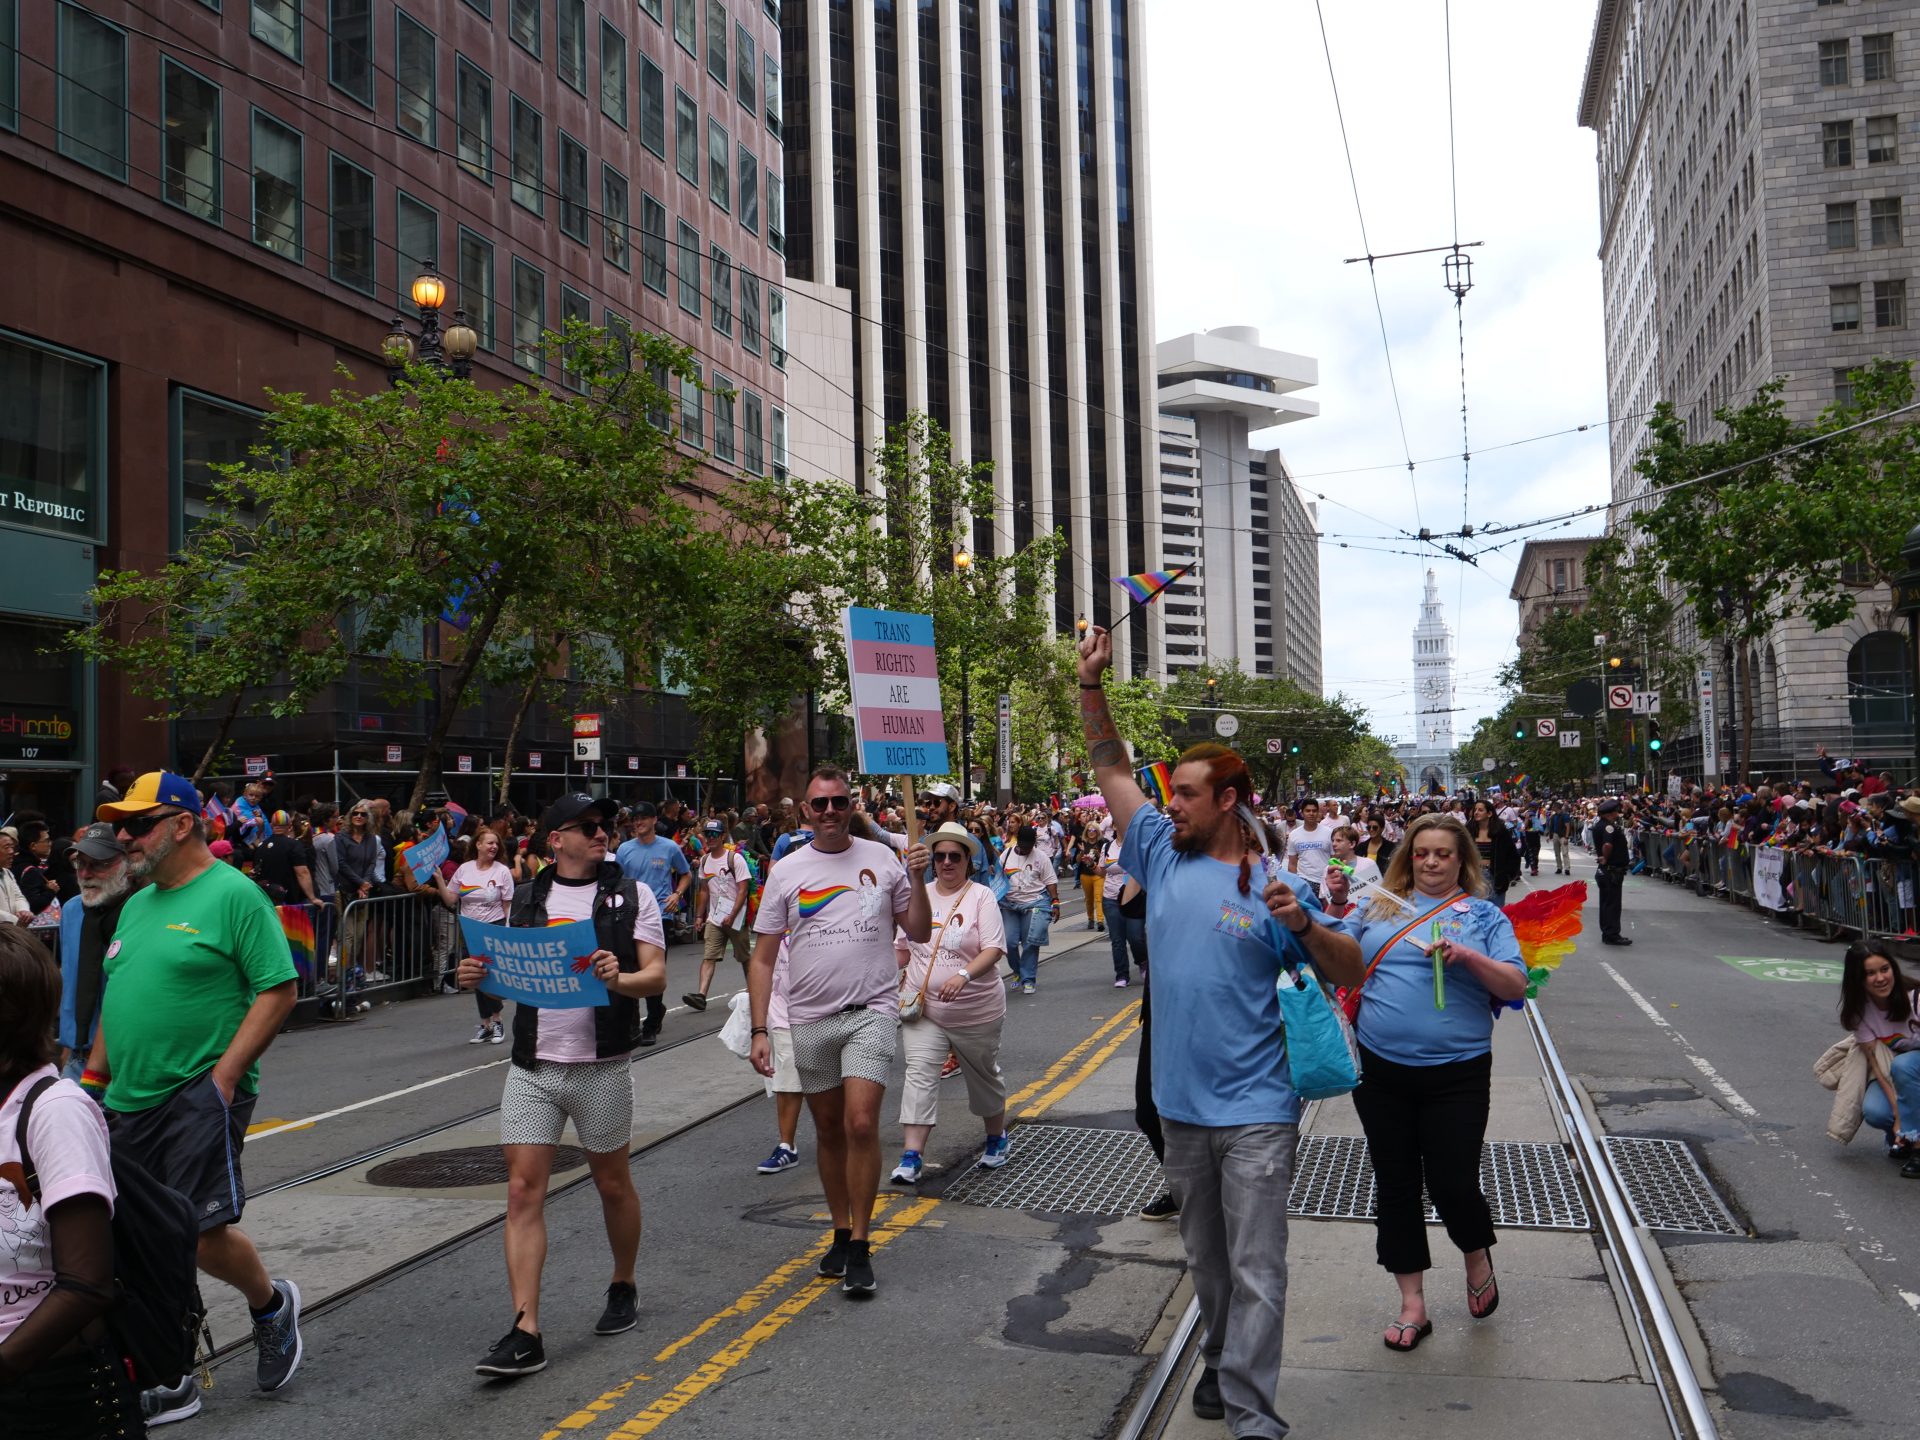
569	808
644	810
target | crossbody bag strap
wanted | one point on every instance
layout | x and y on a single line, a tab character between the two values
1381	953
934	958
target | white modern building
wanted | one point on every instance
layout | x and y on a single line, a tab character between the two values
1428	758
1231	510
969	182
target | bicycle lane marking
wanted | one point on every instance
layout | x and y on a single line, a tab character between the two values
1734	1099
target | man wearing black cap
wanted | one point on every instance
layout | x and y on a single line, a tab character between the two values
86	929
572	1064
1611	846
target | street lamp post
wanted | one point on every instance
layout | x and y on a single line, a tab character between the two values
450	351
963	563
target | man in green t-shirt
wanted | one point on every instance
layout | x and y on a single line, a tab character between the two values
199	981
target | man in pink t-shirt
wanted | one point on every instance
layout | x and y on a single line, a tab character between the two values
838	901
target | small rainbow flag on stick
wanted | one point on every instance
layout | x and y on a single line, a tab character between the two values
1157	781
1145	587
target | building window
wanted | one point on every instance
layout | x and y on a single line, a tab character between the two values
205	432
1836	144
485	7
771	89
573	306
277	23
687	267
1559	576
1876	57
1843	387
777	441
686	136
717	41
685	22
276	186
723	399
750	311
1883	143
653	107
653	244
52	438
416	243
719	157
1834	62
777	327
92	63
613	202
749	192
753	456
1880	684
529	316
613	74
776	214
350	224
523	24
1889	304
413	67
476	285
722	291
692	429
570	43
9	64
473	119
652	7
528	187
746	69
1884	219
1843	307
573	188
1841	233
350	48
189	141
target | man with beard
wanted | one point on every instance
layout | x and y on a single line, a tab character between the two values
86	929
199	981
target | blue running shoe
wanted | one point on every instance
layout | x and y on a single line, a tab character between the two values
784	1157
907	1172
998	1148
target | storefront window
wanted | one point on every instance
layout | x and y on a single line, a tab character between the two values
40	711
52	445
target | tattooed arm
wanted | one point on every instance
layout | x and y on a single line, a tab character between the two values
1108	752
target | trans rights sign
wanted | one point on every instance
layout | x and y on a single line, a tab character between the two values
547	967
896	693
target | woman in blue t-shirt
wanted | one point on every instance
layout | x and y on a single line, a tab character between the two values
1426	1068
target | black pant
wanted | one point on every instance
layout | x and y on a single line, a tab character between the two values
1531	850
1146	1115
1425	1122
1610	881
79	1395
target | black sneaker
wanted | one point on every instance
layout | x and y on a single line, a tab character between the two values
277	1338
859	1281
694	1000
622	1312
649	1037
1165	1207
1206	1397
833	1264
515	1353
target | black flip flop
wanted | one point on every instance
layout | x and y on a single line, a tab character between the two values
1474	1292
1419	1332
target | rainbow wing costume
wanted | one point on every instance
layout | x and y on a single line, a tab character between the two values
1546	923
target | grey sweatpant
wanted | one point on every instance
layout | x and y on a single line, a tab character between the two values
1232	1184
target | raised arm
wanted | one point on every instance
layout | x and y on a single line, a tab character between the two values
1112	769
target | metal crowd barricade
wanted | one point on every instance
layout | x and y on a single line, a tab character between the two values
1739	874
391	941
1888	898
310	932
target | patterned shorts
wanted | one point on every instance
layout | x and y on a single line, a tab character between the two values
850	1045
597	1097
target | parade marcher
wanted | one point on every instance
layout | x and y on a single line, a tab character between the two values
1499	851
1309	844
838	901
1610	848
962	1003
1087	851
1560	828
481	889
1029	906
86	930
198	982
1426	1072
1126	918
572	1064
1346	849
1220	1077
657	862
726	883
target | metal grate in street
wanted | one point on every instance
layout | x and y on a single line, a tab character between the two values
1667	1188
457	1169
1066	1170
1529	1184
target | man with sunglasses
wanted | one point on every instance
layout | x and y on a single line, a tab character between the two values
838	901
199	981
573	1065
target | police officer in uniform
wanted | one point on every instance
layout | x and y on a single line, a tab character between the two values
1611	846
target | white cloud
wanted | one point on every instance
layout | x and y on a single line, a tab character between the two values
1254	215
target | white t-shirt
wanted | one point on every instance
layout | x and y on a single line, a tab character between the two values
1310	848
1028	876
566	1036
837	911
1364	871
723	872
67	1137
484	894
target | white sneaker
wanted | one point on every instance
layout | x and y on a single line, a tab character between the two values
165	1404
499	1035
481	1035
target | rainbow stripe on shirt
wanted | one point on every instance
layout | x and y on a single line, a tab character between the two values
812	902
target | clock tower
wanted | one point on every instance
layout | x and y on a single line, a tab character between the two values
1433	701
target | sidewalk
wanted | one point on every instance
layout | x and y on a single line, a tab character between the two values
1557	1358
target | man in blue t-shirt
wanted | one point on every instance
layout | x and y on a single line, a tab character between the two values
1221	927
657	863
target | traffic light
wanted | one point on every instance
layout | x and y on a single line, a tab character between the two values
1605	758
1653	735
1293	749
1519	731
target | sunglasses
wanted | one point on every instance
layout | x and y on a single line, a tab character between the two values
138	825
821	804
948	857
586	827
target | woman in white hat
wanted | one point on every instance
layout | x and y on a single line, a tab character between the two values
948	985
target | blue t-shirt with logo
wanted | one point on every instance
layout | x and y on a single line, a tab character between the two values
653	864
1398	1020
1218	1057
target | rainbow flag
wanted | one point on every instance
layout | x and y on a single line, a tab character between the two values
1157	781
457	811
1147	585
1519	779
296	922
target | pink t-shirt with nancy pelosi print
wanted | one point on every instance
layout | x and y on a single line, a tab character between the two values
837	911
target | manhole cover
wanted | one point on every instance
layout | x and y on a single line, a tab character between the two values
457	1169
1667	1188
1067	1170
1528	1184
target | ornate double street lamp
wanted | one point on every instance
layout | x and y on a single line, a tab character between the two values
449	351
963	564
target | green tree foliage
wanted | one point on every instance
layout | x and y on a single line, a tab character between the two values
1322	736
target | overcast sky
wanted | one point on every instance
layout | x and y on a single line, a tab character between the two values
1253	215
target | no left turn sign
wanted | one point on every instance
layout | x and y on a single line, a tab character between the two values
1620	697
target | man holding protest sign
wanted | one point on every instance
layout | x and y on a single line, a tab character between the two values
578	986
